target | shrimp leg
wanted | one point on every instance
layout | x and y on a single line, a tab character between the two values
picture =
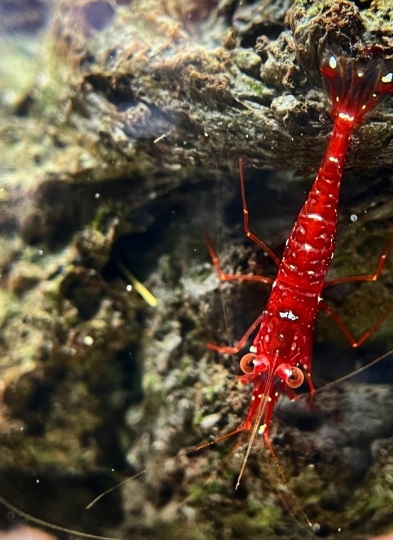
355	343
222	276
250	234
365	277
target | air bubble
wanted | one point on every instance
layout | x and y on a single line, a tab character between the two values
88	341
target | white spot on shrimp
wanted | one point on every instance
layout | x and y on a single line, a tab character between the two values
288	315
360	74
317	217
333	159
332	62
253	349
346	116
388	78
262	429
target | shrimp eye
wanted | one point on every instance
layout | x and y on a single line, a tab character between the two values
247	363
295	378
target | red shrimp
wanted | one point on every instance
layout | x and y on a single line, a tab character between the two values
281	353
283	342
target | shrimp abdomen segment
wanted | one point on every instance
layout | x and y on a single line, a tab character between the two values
310	247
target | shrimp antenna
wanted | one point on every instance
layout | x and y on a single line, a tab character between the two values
52	526
260	429
255	428
144	471
355	372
